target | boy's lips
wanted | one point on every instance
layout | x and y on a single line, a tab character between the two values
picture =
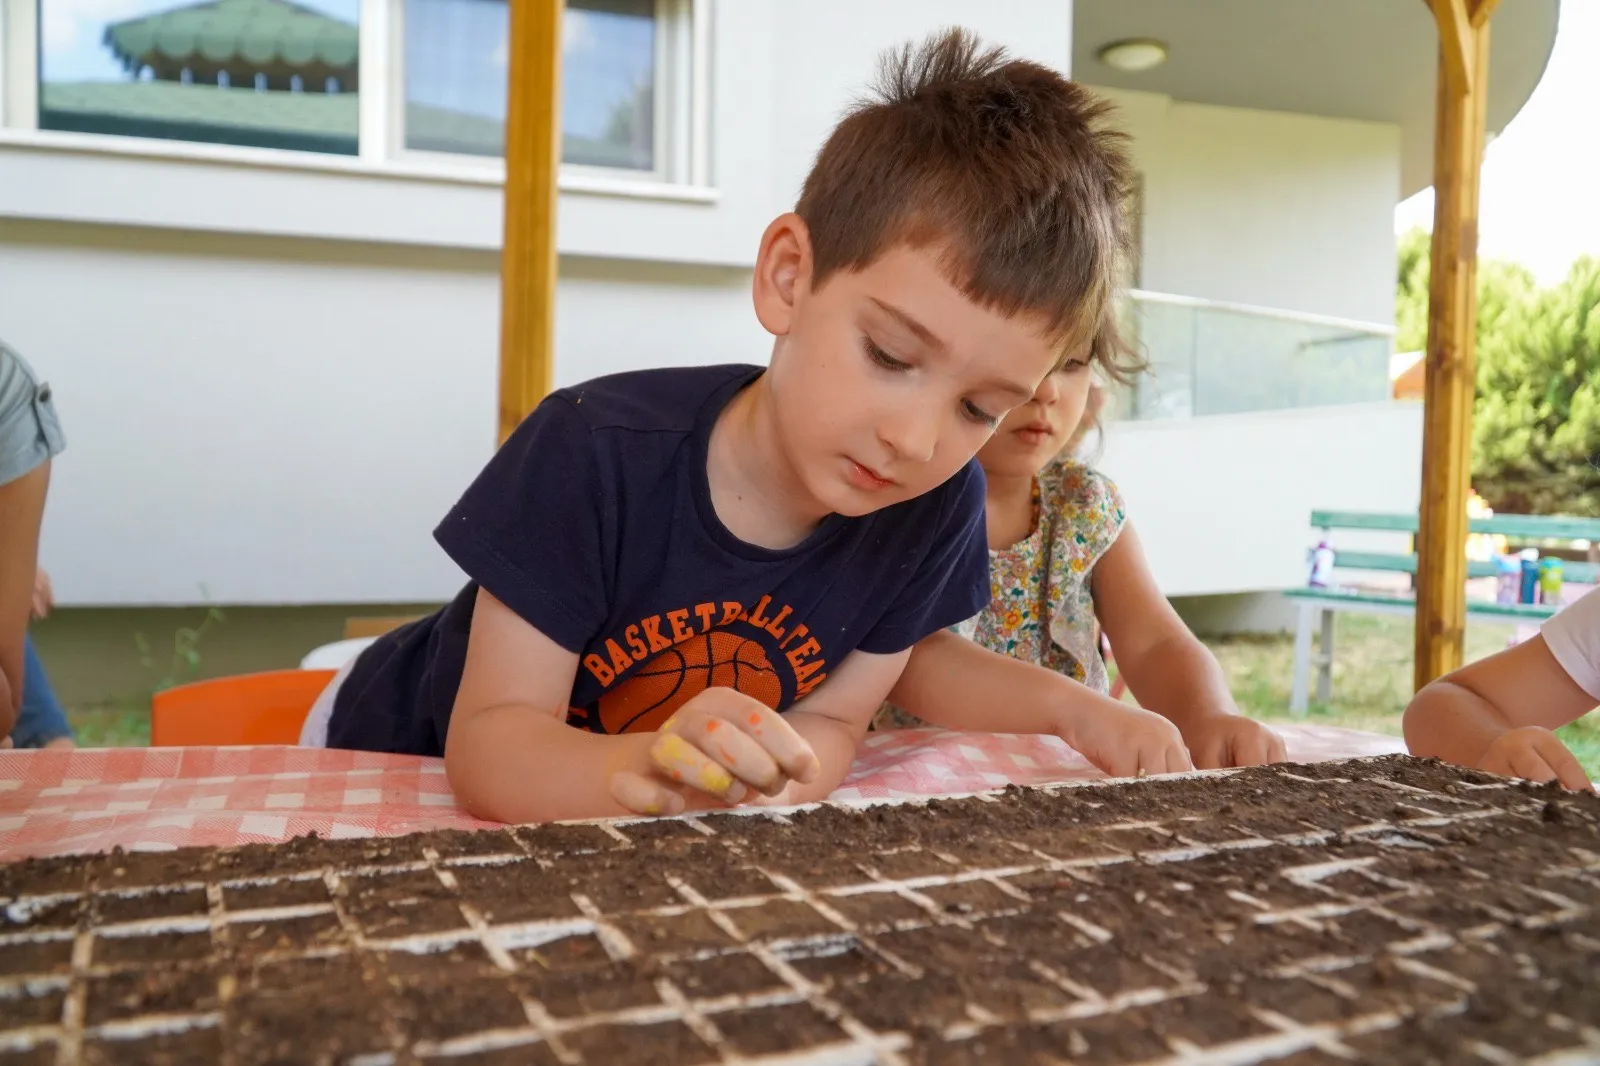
864	477
1036	432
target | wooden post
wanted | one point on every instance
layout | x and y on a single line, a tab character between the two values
533	161
1452	334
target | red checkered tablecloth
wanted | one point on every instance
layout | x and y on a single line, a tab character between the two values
57	803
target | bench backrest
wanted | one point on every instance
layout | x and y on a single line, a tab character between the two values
1523	527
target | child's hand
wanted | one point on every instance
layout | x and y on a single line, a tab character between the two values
1536	754
721	744
1129	742
1233	740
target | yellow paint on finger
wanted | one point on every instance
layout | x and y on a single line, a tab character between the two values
714	779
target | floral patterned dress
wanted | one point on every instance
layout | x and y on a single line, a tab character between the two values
1041	609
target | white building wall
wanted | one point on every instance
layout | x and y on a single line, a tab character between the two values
1223	504
1261	207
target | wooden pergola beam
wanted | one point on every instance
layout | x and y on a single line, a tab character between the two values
528	256
1455	24
1452	335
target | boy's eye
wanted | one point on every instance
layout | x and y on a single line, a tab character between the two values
881	357
978	414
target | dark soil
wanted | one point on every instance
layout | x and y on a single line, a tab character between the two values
1430	908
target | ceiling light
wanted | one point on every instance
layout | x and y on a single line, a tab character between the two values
1135	55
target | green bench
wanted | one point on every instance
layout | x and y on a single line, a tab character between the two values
1317	606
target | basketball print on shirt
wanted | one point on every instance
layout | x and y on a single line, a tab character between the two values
718	659
652	668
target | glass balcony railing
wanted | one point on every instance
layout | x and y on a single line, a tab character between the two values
1209	358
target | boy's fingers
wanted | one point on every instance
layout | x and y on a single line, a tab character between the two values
737	751
683	762
641	795
776	736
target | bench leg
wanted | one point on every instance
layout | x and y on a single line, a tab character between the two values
1300	691
1325	663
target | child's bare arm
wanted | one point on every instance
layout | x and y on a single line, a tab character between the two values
1497	713
1167	667
953	682
509	753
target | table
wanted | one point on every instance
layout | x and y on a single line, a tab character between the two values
66	802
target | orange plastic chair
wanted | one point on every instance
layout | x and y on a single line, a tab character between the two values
265	708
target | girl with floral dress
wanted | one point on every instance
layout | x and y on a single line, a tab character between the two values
1065	563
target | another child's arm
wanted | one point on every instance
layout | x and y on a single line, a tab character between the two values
1496	714
956	683
511	756
1168	670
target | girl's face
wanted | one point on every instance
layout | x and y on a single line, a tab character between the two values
1033	434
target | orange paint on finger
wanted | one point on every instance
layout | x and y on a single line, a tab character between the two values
711	726
677	775
755	719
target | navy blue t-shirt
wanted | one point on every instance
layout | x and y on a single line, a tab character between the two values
594	523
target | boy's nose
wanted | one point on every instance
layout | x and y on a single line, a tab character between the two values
911	433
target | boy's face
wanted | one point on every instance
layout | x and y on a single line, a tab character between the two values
887	380
1035	433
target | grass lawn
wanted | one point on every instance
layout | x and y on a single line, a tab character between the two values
1371	677
1371	684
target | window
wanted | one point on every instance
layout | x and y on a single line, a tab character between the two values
379	79
267	73
455	80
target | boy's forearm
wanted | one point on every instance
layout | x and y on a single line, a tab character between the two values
1180	680
513	764
952	682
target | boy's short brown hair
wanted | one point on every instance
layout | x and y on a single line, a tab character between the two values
1004	162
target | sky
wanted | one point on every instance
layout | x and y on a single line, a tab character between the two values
1540	199
459	62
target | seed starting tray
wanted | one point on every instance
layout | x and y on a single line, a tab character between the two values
1384	910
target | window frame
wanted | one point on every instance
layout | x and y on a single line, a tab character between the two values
682	133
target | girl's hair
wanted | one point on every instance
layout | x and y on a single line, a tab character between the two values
1118	362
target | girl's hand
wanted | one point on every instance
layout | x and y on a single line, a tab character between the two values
721	744
1534	753
1128	742
1233	740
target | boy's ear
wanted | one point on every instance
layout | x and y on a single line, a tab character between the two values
783	272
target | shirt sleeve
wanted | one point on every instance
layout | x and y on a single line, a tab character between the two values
528	530
1092	513
952	584
30	434
1573	637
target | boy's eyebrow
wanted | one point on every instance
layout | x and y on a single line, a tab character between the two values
927	336
917	329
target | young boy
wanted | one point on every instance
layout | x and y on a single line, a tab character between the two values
694	587
1497	714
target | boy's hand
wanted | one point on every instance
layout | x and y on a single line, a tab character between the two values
1534	753
1233	740
1128	742
722	744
